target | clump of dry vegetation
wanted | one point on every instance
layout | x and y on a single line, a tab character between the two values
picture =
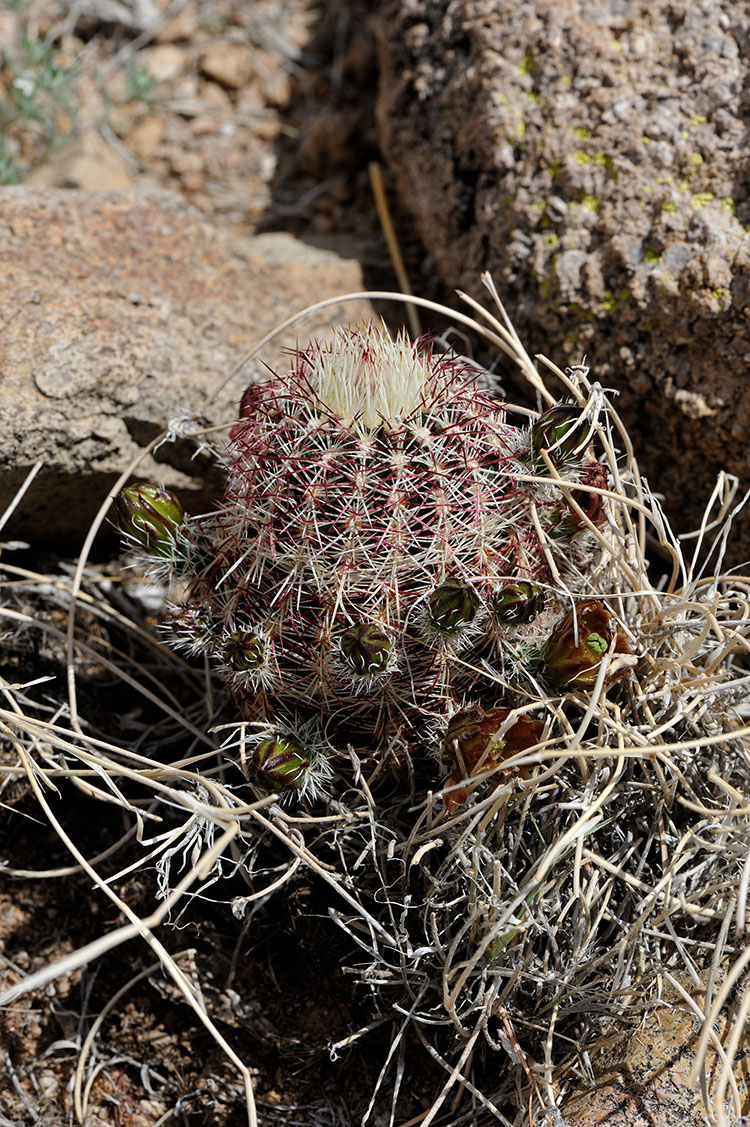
493	939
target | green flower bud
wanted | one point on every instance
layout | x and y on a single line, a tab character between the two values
559	526
366	649
559	432
192	629
518	602
451	606
245	652
149	515
565	522
278	763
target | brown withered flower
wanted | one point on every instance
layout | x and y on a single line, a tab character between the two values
573	654
471	744
568	521
592	504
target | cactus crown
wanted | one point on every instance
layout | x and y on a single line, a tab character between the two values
365	379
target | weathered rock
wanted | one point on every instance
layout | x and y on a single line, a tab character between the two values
86	161
229	64
593	157
646	1079
118	312
146	137
164	62
182	26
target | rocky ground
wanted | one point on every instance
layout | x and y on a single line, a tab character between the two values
259	118
257	113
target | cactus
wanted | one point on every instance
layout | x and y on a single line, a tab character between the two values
376	548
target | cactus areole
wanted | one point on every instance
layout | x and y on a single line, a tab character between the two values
377	561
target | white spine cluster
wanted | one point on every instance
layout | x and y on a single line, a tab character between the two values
368	379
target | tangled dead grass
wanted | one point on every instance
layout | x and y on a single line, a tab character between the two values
583	878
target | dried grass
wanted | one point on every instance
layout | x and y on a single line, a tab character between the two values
510	939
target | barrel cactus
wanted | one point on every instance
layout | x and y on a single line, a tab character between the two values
389	550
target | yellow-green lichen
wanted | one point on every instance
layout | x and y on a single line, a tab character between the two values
696	159
602	159
582	316
612	301
591	203
670	208
517	131
549	287
551	239
650	254
698	119
728	204
536	98
700	199
582	134
528	66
